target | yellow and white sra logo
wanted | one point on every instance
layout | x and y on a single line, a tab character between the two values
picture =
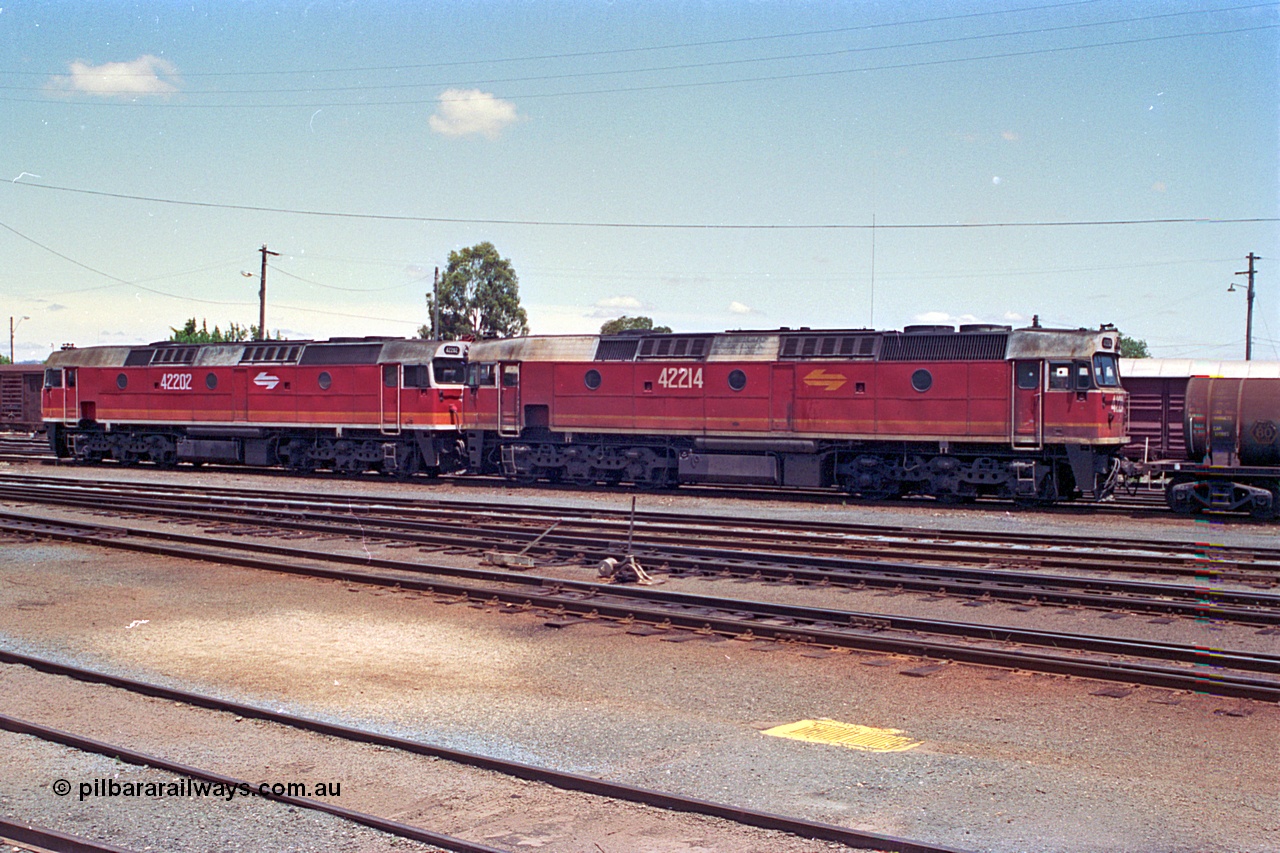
820	378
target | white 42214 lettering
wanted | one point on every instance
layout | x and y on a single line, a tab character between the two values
680	377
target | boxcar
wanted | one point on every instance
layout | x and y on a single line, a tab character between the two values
20	397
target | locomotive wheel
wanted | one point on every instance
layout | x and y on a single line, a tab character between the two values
406	462
1274	512
579	472
162	451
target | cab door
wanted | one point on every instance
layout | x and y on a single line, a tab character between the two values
1028	404
389	402
239	394
509	398
70	395
782	398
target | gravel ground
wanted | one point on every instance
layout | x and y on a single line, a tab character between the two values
1007	761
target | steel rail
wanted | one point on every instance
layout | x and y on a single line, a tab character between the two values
372	512
1198	601
1121	503
556	778
1221	672
1200	559
50	839
133	756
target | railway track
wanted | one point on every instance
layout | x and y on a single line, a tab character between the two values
1149	555
24	447
1140	500
646	610
569	782
737	548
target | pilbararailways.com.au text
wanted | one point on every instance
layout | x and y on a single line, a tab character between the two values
196	788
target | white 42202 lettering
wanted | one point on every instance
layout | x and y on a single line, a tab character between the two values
176	382
680	377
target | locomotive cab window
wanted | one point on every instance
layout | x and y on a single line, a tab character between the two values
479	375
52	378
1084	375
510	375
390	375
415	376
1028	375
449	371
1059	376
1106	371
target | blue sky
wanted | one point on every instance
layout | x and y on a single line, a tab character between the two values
713	165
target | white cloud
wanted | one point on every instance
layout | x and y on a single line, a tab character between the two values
146	75
467	112
612	306
736	307
942	318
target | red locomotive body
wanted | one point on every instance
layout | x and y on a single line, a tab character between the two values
1035	413
344	404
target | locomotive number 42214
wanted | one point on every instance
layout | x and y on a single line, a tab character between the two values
680	377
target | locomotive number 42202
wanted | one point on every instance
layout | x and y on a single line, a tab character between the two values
680	377
176	382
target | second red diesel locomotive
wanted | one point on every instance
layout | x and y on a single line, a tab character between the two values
1034	414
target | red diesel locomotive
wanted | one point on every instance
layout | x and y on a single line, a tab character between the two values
1033	414
347	405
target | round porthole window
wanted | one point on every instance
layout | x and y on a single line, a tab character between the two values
737	380
325	380
922	380
592	379
211	381
122	381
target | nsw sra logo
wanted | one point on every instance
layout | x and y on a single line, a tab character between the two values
266	380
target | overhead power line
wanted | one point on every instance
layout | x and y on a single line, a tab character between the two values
551	223
619	51
799	75
693	66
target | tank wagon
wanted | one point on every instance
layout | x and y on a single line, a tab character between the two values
1031	414
20	397
346	404
1232	429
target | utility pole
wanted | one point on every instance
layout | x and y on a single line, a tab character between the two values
12	326
262	293
435	306
1248	326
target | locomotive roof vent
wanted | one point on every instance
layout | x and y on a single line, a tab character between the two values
927	330
674	346
365	339
828	345
985	327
